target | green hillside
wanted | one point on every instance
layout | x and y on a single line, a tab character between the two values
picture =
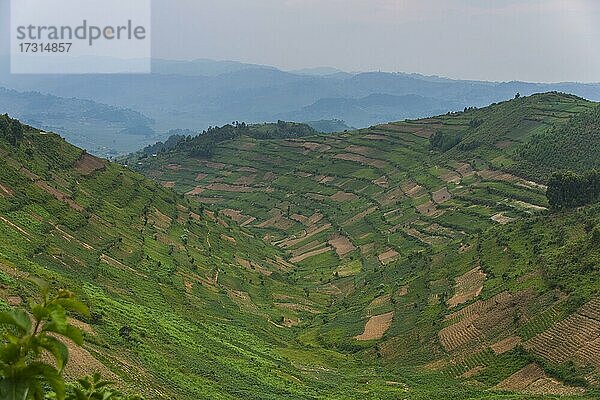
409	260
400	225
183	301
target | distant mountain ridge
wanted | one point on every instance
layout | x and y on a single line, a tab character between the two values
201	93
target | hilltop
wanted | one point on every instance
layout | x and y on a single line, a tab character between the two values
201	93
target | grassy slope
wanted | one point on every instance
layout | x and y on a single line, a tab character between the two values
364	184
176	313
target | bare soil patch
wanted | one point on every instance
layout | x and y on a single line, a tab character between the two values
388	256
277	221
506	345
361	150
429	209
464	169
245	180
342	245
413	190
576	338
441	196
382	182
196	191
533	380
501	219
376	327
451	177
343	196
291	242
88	164
200	176
467	287
5	191
473	372
168	184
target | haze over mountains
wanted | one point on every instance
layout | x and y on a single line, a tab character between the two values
201	93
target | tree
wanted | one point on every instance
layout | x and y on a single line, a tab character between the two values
27	335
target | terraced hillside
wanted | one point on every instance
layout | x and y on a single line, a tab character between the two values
185	303
429	238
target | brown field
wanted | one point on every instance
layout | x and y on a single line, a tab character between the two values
168	184
451	177
380	301
342	196
464	169
483	319
376	327
278	221
505	345
501	219
88	164
298	307
299	218
390	197
366	249
460	333
382	182
247	169
413	190
5	191
360	150
468	287
533	380
196	191
388	256
576	338
228	239
473	372
441	196
422	237
403	291
375	137
245	180
429	209
342	245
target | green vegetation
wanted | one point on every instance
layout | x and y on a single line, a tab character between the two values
342	266
10	129
568	190
24	374
204	144
574	146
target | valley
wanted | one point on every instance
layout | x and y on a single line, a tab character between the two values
406	260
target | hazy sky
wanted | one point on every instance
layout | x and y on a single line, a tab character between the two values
534	40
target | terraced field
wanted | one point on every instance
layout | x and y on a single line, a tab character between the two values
424	254
365	264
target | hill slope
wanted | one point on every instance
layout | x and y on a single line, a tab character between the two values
423	237
185	304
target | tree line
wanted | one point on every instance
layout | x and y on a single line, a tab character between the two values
11	130
570	189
